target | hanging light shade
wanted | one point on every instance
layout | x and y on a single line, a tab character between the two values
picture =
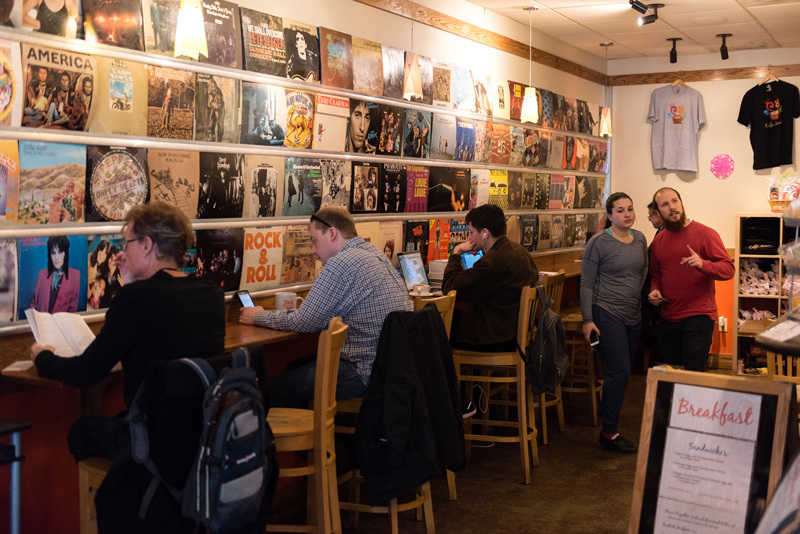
190	32
412	87
605	122
530	106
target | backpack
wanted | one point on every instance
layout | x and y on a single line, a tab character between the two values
234	463
546	360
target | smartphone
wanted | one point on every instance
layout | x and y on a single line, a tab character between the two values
594	339
245	298
468	260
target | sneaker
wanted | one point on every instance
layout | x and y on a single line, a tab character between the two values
618	444
467	409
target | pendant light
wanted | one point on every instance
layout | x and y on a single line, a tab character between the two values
530	106
190	31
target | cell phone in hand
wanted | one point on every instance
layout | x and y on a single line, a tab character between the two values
594	339
245	298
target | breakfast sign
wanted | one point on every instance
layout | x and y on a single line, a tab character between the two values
711	452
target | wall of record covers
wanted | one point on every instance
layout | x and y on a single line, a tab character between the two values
277	118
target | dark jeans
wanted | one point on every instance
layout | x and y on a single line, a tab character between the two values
617	350
686	342
294	388
107	437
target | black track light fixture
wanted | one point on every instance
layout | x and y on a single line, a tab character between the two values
649	19
723	49
673	54
638	6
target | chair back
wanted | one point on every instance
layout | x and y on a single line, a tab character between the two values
329	349
783	368
527	313
445	304
554	287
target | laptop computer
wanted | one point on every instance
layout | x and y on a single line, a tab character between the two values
412	268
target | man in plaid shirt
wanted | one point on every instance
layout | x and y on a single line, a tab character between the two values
357	283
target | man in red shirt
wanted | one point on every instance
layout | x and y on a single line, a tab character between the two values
685	261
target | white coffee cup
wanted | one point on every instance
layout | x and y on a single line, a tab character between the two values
421	289
286	300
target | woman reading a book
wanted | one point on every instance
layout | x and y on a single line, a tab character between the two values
58	287
160	313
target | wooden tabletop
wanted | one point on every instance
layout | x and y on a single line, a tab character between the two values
242	335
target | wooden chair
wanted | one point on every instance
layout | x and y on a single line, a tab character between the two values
553	288
785	369
510	370
581	374
313	430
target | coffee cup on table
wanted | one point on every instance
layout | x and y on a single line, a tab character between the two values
421	289
286	300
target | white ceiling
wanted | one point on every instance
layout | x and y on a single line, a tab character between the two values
755	24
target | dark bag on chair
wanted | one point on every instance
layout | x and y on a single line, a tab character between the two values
547	361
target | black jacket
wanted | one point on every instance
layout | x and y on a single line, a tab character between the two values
410	427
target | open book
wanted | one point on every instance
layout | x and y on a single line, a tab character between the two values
67	332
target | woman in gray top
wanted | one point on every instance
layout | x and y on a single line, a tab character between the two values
613	269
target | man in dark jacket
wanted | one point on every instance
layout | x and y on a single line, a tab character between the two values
491	288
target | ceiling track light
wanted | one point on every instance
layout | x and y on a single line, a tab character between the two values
649	19
638	6
723	49
673	54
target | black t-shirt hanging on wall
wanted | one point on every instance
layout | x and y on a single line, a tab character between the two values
769	110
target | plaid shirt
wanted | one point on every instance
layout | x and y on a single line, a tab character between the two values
361	286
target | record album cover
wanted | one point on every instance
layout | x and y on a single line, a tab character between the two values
528	201
65	21
530	231
8	279
438	240
441	192
498	188
545	231
262	36
463	94
116	181
393	71
330	128
417	134
365	187
216	109
501	143
302	51
221	186
103	277
9	181
465	140
517	153
336	182
443	78
363	127
120	98
51	182
170	103
114	23
367	67
303	186
390	240
11	14
300	106
390	140
219	257
298	264
542	198
175	178
263	114
262	257
516	94
443	137
11	94
221	21
336	58
160	22
263	185
462	180
416	238
480	187
500	98
416	188
514	189
392	188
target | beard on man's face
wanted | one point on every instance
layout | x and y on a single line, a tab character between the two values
675	226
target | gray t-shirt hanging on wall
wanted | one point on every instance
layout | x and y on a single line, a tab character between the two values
676	113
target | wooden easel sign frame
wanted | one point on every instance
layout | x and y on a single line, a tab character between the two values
711	452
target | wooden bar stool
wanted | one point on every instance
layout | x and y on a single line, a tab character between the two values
313	430
11	453
582	373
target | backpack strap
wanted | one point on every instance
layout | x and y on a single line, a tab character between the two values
240	358
546	302
202	368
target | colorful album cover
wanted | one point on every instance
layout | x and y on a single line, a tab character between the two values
8	279
530	231
116	181
438	240
336	58
541	149
263	114
221	186
300	107
462	180
465	140
542	198
557	232
11	94
393	71
417	134
302	51
481	85
216	109
568	162
557	192
498	188
416	238
390	139
500	98
120	96
416	188
175	178
441	193
367	67
569	191
598	161
41	259
59	88
65	21
514	190
363	127
9	181
459	233
262	40
392	188
501	144
517	155
330	128
390	239
51	182
545	100
581	156
223	35
545	234
299	264
219	257
463	94
263	181
262	257
516	94
443	79
160	23
114	23
11	14
480	186
571	120
559	111
365	187
484	141
170	103
303	186
336	182
103	277
443	136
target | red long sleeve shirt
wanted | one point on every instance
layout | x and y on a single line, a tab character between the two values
690	291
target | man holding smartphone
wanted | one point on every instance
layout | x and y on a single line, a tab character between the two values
491	288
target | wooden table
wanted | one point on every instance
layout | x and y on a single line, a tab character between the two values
243	335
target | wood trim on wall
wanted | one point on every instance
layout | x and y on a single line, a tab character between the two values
452	25
708	75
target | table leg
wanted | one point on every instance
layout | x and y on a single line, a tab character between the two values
16	486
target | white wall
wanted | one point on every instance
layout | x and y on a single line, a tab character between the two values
712	201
